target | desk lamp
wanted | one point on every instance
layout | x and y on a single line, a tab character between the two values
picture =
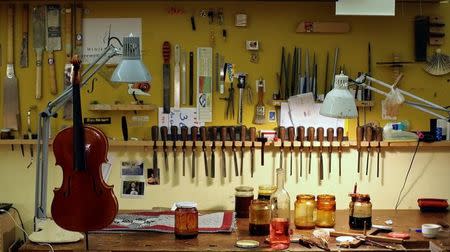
130	69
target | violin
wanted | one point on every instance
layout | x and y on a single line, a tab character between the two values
84	202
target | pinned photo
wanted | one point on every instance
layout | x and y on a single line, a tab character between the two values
132	188
153	176
132	168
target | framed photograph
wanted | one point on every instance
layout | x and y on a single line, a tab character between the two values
153	176
133	188
132	168
272	116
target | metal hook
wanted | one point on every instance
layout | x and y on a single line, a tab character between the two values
92	86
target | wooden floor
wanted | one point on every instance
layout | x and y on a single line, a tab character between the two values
403	221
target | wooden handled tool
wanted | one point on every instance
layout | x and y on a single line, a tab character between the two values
213	138
310	136
164	132
232	133
38	20
53	41
174	135
191	78
194	133
203	137
166	77
330	137
291	137
243	136
340	138
282	136
359	137
176	77
124	128
320	137
155	147
252	148
24	48
68	107
379	138
184	136
368	136
301	138
223	138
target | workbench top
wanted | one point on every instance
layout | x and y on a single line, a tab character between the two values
403	221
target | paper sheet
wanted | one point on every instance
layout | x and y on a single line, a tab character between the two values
179	117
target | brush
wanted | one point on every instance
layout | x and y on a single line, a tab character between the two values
438	64
260	115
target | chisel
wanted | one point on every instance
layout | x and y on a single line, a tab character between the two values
38	44
166	77
204	137
359	137
184	135
320	136
194	132
282	136
213	138
24	48
263	141
223	138
53	41
155	147
164	132
243	135
368	136
301	138
330	136
379	138
174	135
311	145
232	134
340	138
291	137
252	148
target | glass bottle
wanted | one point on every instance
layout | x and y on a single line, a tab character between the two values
259	219
186	220
243	198
264	192
280	215
360	211
305	211
326	210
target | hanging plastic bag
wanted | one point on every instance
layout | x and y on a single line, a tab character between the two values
391	105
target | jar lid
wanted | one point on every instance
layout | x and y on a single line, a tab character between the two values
186	204
244	189
267	188
325	197
247	244
306	197
361	197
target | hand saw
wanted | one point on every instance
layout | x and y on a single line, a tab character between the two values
38	43
24	48
53	41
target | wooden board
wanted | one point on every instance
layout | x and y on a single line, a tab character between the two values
323	27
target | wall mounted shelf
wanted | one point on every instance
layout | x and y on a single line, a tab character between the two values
122	107
360	104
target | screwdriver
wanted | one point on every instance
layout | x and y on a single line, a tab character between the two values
379	138
291	136
359	137
320	136
184	135
340	138
368	136
330	136
311	144
301	138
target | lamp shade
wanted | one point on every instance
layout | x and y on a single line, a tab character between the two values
131	69
339	102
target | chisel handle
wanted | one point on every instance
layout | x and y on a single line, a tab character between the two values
320	136
184	134
174	135
301	134
252	134
166	52
368	134
164	132
330	135
282	134
379	133
194	133
213	136
243	134
359	136
340	134
311	136
154	133
203	136
291	135
232	133
223	135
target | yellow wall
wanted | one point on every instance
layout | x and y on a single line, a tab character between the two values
273	24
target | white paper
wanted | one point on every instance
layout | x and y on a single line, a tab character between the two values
204	84
366	7
95	35
179	117
285	119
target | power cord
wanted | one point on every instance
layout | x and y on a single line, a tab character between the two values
21	223
23	230
407	174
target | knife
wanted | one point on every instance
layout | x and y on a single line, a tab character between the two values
24	48
194	132
164	132
243	136
166	77
232	134
204	137
184	135
213	149
38	43
155	147
223	138
174	134
252	148
53	41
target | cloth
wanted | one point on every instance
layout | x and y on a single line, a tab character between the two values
164	221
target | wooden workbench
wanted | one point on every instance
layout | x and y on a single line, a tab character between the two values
403	220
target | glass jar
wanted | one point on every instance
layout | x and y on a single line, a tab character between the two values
326	210
259	218
305	211
265	191
243	198
280	215
186	220
360	211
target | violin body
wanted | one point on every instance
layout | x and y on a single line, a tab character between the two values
84	202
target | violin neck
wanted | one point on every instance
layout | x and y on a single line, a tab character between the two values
78	129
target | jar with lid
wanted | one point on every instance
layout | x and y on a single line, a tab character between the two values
326	210
243	198
360	211
259	218
186	220
305	211
264	191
